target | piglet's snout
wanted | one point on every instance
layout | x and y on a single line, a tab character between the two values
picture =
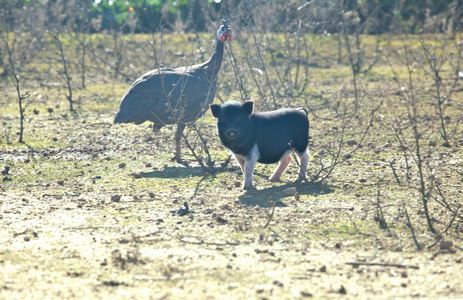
232	133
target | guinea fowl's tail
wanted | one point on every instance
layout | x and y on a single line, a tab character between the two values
119	118
134	108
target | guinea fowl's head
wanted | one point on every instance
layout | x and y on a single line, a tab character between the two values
224	32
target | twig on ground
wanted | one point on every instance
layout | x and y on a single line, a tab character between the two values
409	224
453	218
407	176
198	159
360	263
395	174
271	214
283	239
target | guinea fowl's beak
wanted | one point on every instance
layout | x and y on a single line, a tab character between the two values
226	34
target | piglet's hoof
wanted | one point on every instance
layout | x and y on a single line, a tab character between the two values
247	187
300	179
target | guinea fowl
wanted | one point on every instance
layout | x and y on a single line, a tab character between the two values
174	96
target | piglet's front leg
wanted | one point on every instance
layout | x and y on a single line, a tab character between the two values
249	165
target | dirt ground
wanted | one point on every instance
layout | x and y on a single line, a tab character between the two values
90	210
66	233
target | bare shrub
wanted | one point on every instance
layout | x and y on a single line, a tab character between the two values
425	80
21	40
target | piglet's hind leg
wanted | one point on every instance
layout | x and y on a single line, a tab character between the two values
304	163
282	165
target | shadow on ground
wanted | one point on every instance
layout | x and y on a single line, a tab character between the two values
266	197
176	172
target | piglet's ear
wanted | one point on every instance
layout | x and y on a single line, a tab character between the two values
215	110
248	107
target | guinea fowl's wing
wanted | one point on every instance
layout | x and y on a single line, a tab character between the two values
189	98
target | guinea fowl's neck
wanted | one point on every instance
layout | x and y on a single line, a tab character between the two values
212	66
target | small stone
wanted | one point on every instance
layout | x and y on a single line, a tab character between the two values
323	268
297	196
342	290
60	182
278	283
289	191
404	274
183	210
148	165
234	285
221	220
151	194
445	245
306	294
27	238
122	165
6	170
237	184
115	198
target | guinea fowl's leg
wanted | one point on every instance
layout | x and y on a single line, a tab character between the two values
178	139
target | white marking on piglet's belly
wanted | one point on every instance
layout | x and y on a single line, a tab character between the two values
254	155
